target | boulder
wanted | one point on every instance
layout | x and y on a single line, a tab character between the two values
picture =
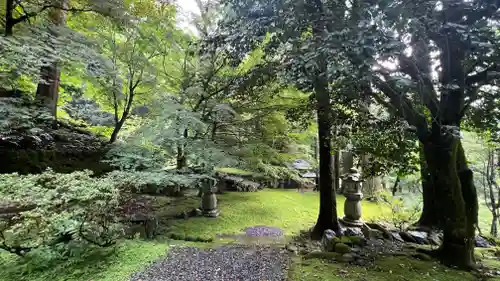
396	237
420	237
342	248
357	241
482	242
435	238
377	226
326	240
407	237
353	231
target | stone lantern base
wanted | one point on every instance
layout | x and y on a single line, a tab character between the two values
209	205
212	213
351	223
352	210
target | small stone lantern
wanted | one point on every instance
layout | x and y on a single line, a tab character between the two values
209	199
353	196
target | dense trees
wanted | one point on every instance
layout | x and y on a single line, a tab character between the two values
260	76
426	62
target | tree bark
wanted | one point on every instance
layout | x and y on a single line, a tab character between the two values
9	20
126	112
327	218
458	202
429	218
395	186
48	88
494	226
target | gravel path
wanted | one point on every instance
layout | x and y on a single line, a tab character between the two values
225	263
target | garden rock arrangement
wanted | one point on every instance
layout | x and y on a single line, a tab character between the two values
226	263
30	142
234	183
364	245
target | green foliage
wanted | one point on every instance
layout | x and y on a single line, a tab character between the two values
154	181
403	213
20	118
54	208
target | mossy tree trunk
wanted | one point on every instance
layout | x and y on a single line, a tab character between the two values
327	217
458	207
428	218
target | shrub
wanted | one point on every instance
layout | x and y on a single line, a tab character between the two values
49	209
403	213
154	182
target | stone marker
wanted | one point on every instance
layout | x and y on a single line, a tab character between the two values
209	199
353	195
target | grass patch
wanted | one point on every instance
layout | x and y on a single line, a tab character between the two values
287	209
385	269
113	264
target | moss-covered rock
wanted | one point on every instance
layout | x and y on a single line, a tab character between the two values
32	141
357	241
342	248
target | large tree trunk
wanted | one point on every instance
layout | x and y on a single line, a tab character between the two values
458	201
48	88
9	19
327	218
429	217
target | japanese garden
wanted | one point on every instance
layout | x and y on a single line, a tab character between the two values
250	140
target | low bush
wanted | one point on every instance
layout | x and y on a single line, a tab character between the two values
50	209
403	213
155	182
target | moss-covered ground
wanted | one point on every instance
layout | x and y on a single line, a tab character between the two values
384	269
289	210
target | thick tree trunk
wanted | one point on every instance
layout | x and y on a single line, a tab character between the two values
429	218
327	218
458	202
9	20
48	87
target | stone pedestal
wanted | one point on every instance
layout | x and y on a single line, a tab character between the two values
352	210
209	200
353	197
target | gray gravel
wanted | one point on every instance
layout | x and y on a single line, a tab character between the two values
264	231
225	263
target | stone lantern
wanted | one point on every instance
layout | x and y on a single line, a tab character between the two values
209	199
353	196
